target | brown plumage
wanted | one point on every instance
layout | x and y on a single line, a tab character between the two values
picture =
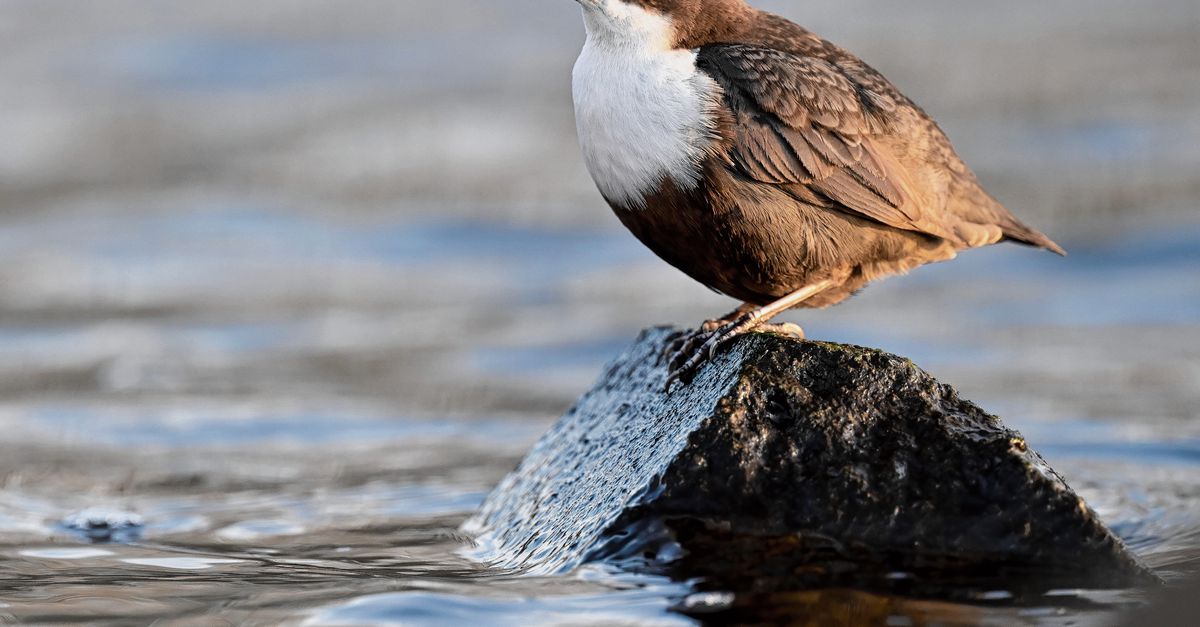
818	172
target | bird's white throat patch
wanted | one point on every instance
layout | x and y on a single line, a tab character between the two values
643	111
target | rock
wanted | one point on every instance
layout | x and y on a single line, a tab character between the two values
788	464
100	525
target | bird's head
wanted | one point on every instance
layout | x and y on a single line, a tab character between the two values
682	23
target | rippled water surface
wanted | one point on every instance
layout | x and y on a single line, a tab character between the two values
279	303
285	465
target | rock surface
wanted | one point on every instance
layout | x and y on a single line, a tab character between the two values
788	463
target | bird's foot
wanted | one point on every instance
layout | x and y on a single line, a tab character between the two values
691	350
717	323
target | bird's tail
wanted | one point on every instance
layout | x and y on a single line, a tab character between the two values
1022	233
985	208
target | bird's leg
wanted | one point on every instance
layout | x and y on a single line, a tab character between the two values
690	356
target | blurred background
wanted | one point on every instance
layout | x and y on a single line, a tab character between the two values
294	283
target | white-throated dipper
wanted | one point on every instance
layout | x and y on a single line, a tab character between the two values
765	162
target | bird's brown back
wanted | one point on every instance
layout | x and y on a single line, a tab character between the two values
925	185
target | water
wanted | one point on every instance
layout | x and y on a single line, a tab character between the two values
286	466
285	291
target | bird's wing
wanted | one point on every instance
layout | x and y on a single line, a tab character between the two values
801	122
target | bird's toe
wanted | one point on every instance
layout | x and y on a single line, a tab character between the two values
786	328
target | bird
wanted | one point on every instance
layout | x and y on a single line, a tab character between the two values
765	162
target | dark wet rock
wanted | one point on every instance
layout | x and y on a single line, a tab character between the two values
104	525
789	464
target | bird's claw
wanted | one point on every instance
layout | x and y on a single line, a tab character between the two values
685	360
700	346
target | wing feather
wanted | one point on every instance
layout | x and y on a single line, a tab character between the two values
802	121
